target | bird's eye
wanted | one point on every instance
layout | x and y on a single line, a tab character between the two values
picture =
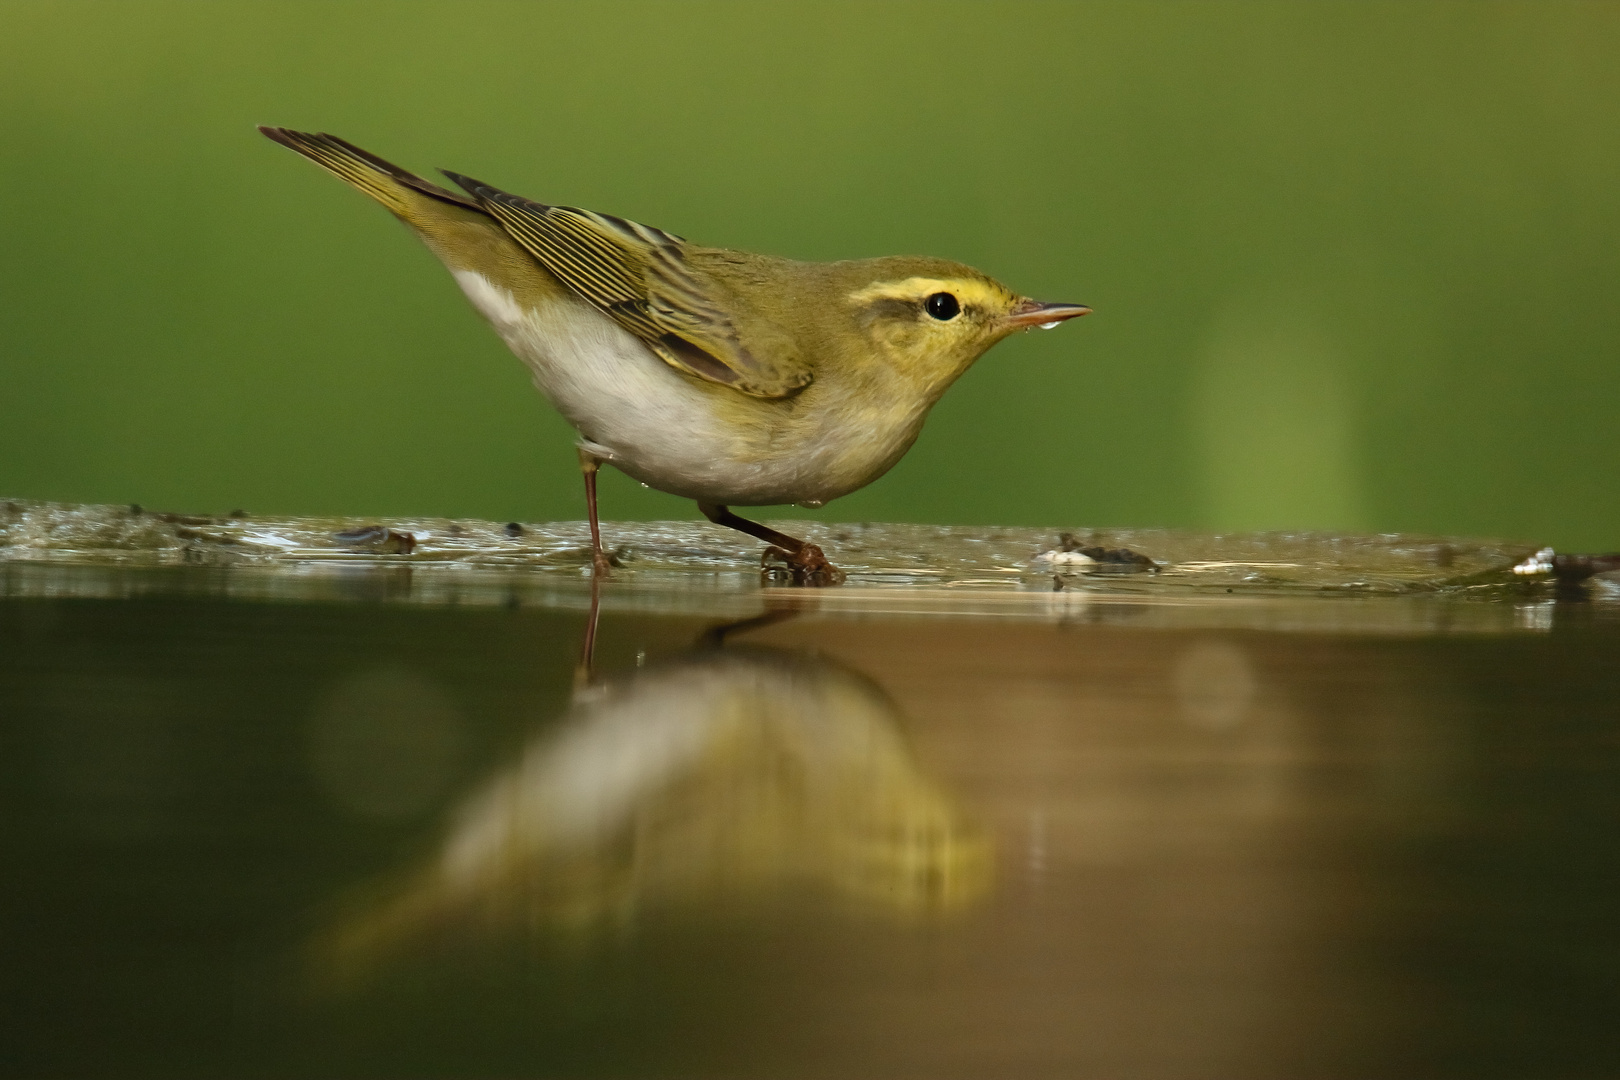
942	306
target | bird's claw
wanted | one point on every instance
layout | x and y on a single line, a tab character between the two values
601	565
807	567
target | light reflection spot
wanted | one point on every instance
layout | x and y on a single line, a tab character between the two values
1214	685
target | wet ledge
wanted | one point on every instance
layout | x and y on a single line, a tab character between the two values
1380	583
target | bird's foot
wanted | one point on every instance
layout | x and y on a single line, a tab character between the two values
807	567
601	564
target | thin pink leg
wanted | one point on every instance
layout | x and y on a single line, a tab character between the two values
589	464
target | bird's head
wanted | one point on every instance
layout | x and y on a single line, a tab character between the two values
931	319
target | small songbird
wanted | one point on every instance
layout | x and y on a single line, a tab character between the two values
729	378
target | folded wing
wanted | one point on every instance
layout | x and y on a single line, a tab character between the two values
640	277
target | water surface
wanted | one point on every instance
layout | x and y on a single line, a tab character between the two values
377	819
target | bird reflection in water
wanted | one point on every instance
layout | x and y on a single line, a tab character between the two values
724	775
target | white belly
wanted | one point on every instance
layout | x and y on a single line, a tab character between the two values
649	420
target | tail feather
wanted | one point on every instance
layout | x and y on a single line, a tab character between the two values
387	183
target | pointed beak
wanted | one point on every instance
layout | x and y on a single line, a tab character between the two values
1034	313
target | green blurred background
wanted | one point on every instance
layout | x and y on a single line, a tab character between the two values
1354	264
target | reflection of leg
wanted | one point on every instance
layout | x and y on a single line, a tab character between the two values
585	670
804	561
715	636
589	464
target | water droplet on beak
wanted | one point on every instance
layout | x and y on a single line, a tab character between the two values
1049	325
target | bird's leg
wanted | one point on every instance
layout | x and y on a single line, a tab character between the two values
589	464
804	561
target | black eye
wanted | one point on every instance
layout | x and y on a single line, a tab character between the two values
942	306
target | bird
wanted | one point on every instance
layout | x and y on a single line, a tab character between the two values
721	376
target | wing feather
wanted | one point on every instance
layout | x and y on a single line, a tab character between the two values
639	277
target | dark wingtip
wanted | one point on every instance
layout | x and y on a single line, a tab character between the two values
488	194
467	183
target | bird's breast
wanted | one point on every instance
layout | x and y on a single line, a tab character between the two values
680	434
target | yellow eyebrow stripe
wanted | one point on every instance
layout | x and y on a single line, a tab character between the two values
916	288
